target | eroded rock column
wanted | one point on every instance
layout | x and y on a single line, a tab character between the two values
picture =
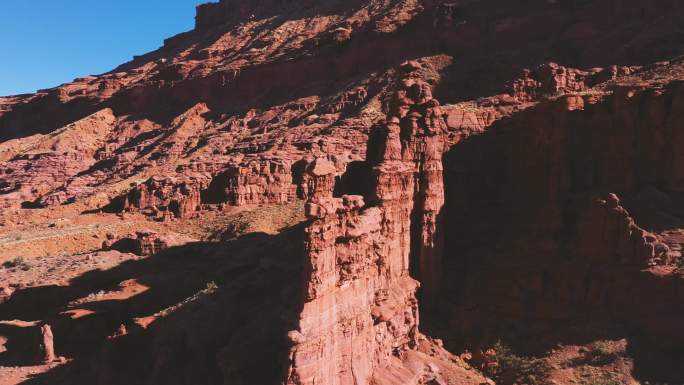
360	311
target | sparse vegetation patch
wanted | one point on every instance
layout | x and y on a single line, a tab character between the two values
516	369
18	262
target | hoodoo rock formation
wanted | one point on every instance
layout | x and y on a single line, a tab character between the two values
366	192
361	311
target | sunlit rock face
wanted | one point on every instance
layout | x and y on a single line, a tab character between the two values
352	192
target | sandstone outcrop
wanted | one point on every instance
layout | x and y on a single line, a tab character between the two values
260	182
215	107
5	294
451	195
166	197
143	243
607	231
553	79
318	180
48	344
360	312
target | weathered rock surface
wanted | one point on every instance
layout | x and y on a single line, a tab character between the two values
164	197
215	109
144	243
553	79
538	201
542	228
48	344
607	231
360	314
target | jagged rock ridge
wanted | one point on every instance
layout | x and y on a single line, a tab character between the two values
489	214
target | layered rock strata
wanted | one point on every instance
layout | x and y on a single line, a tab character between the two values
270	99
166	197
361	312
260	182
552	79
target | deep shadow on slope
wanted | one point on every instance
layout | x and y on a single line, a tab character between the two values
515	199
236	332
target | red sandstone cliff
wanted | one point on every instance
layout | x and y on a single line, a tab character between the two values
460	185
360	316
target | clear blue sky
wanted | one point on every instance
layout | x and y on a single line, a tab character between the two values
49	42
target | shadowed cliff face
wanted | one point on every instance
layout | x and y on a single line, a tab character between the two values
499	170
538	252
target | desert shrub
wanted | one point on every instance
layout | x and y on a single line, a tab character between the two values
599	353
591	376
520	370
17	262
604	351
268	219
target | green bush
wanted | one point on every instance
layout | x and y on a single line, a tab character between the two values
521	370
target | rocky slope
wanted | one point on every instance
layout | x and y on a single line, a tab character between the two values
473	172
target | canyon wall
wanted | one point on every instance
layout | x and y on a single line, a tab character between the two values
538	202
538	248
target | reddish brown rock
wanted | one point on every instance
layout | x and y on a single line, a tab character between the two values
607	232
552	79
260	181
26	343
144	243
470	120
266	100
318	180
360	298
48	344
179	198
5	294
522	216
